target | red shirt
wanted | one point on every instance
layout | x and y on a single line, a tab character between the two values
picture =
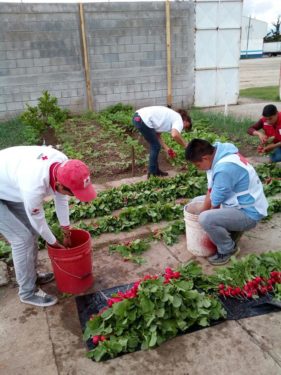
269	130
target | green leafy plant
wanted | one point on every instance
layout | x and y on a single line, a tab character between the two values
130	250
250	277
154	310
159	307
47	114
171	233
150	191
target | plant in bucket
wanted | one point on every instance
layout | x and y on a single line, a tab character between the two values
73	266
197	241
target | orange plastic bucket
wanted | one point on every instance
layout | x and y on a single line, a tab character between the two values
72	267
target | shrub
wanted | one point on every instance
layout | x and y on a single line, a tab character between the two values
47	114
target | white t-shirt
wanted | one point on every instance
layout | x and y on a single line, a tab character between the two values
161	119
25	177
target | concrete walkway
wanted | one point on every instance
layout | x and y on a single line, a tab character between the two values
246	108
49	341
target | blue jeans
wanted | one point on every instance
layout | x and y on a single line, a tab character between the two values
150	136
218	223
275	156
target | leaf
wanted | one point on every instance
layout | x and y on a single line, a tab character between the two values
87	333
203	322
206	302
150	319
182	325
120	308
153	339
133	342
184	285
99	352
177	301
116	347
107	314
160	312
146	305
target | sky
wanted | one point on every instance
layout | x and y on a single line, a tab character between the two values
263	10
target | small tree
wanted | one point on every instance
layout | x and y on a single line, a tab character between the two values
47	114
274	34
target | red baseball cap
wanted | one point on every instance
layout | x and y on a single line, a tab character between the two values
75	175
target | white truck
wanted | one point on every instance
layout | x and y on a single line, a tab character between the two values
272	48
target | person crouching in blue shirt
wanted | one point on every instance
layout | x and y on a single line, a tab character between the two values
235	200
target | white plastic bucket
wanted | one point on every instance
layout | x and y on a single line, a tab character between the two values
197	241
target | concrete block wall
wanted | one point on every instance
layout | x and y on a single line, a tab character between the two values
127	48
40	49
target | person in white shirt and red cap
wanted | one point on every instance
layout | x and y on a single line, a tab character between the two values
28	174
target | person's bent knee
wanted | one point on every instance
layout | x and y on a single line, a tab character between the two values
24	239
204	219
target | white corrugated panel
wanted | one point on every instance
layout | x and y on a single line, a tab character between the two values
214	49
227	86
217	52
221	85
206	15
228	48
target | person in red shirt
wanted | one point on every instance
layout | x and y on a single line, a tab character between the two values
268	129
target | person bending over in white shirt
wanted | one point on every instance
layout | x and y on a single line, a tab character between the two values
28	174
151	122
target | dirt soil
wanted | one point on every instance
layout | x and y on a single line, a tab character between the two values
106	155
246	149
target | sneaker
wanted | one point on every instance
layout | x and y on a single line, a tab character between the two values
220	259
40	298
44	277
161	173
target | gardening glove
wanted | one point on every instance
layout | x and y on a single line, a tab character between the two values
172	153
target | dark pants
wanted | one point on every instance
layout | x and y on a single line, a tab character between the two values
150	136
275	156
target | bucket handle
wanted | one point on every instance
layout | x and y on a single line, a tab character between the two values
71	274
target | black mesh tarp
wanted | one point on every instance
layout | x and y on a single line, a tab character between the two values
90	304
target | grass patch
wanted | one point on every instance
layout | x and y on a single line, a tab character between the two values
229	125
270	93
233	128
12	133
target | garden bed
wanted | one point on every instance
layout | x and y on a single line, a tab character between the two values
105	152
